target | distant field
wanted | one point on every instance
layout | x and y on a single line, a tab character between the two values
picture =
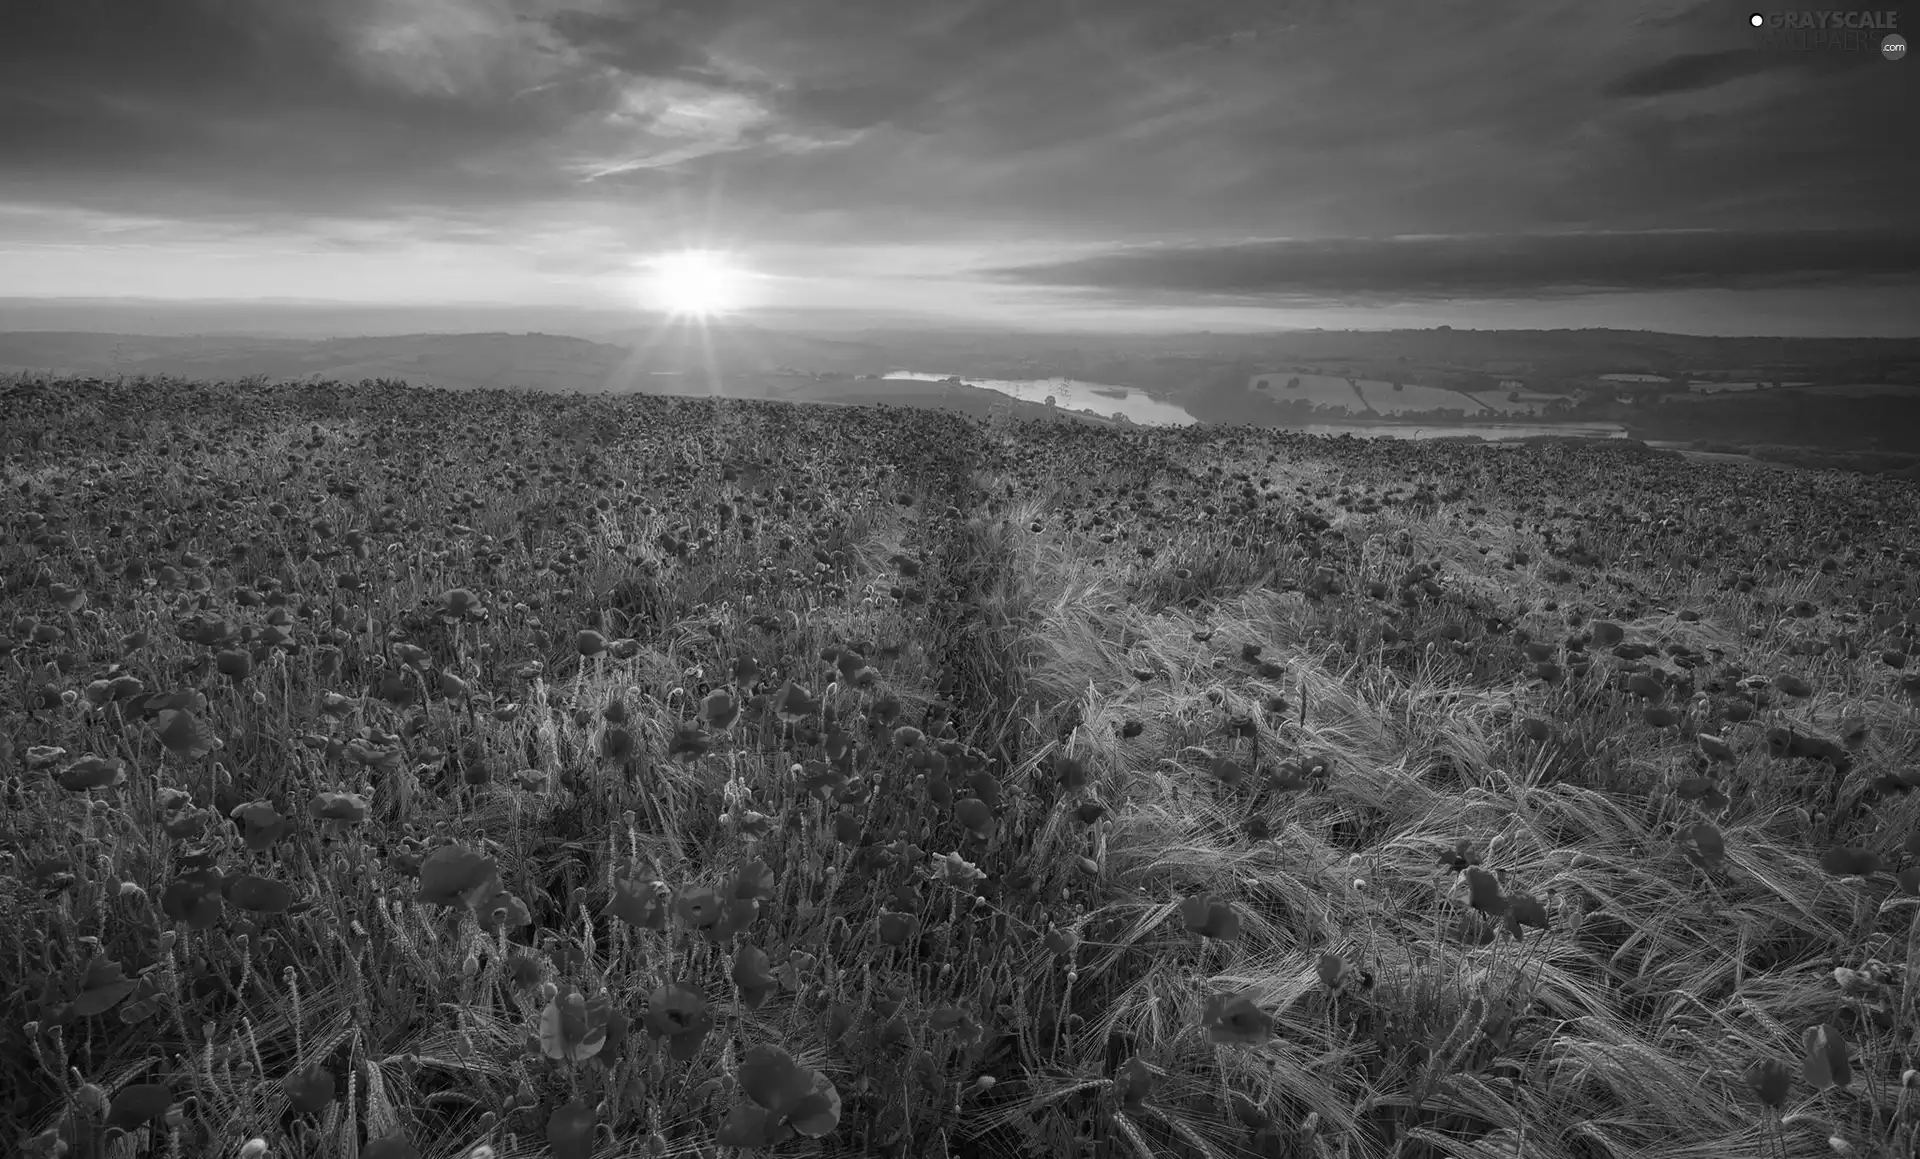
1379	395
1737	387
1863	389
1320	389
1529	402
1835	390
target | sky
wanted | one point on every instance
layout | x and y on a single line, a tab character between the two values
1133	164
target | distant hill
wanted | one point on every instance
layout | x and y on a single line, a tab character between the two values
1206	374
678	360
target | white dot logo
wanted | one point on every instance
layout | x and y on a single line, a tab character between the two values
1756	20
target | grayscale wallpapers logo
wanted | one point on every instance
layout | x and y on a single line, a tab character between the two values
1832	29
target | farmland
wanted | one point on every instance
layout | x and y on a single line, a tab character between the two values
1393	398
398	772
1362	395
1319	389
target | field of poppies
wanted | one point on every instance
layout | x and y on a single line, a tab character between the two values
395	772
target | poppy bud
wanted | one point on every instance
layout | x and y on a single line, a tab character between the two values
91	1099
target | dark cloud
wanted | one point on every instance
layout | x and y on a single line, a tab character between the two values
1690	72
1419	268
651	37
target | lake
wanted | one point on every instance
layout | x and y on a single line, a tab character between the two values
1142	408
1072	394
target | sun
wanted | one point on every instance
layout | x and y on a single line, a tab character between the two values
694	284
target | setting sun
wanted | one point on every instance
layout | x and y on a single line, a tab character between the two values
694	283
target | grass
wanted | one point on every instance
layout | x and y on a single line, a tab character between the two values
876	781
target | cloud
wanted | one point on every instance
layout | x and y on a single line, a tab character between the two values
915	123
1428	268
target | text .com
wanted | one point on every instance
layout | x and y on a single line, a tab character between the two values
1809	30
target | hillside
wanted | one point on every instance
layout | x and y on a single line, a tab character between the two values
397	771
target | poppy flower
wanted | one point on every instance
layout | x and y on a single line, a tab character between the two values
699	906
797	1099
394	1146
461	603
102	988
456	876
976	816
1483	891
93	772
1771	1080
1524	910
1225	770
1236	1018
261	824
719	709
897	929
678	1012
137	1104
754	879
502	911
258	894
752	975
1703	845
1824	1062
640	902
1850	861
795	703
185	734
572	1028
1133	1084
1210	917
385	758
689	742
309	1089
